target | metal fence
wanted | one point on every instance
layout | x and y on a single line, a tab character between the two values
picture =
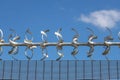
60	70
30	45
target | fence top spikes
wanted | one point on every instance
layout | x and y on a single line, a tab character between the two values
109	37
119	35
28	32
13	31
1	34
44	34
90	52
76	33
91	31
59	35
76	36
30	45
13	35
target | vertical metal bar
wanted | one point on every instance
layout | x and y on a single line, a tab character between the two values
117	71
35	69
27	69
108	69
19	69
11	69
100	71
92	68
51	69
3	70
59	70
75	70
67	69
83	69
43	69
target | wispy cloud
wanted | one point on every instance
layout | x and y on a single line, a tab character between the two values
102	18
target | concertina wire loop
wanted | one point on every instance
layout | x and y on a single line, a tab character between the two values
29	47
28	42
43	47
1	41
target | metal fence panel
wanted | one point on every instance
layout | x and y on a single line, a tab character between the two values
96	70
60	70
80	70
7	74
15	70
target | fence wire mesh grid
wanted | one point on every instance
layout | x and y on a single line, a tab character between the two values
60	70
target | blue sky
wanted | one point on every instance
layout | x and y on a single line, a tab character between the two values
66	14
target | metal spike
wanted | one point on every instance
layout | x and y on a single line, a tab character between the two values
109	37
44	35
46	30
1	34
119	35
13	35
90	42
29	33
59	30
26	54
107	49
91	31
14	50
58	35
76	36
90	52
1	41
74	41
59	52
44	53
75	52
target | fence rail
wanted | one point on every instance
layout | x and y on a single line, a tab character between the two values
62	44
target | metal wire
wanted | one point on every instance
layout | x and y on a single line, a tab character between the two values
13	37
107	39
59	35
19	71
30	45
44	49
117	70
44	53
44	35
91	37
1	41
74	41
63	44
51	70
59	47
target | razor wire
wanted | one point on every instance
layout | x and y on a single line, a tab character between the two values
30	45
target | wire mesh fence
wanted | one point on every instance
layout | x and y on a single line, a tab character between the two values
60	70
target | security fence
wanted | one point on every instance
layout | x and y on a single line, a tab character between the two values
60	70
30	45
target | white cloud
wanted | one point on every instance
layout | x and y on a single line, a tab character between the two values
102	18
